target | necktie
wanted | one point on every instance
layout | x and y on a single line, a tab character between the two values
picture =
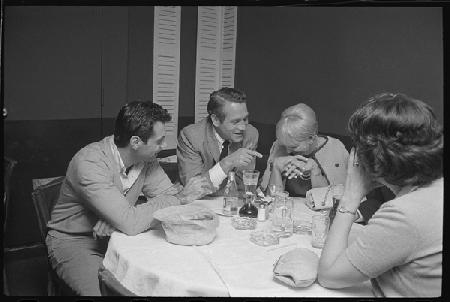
224	152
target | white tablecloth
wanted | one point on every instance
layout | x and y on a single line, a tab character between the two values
231	265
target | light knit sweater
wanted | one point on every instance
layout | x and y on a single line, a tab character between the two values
92	190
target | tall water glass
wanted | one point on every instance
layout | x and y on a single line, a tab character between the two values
282	223
250	178
320	227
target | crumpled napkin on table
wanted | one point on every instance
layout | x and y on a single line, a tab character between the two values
297	268
320	198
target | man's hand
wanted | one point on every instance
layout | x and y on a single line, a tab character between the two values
196	187
102	229
240	158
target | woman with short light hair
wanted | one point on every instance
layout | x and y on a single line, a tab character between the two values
300	148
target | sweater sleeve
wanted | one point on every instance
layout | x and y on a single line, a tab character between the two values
386	242
93	181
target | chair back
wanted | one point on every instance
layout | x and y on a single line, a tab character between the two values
8	169
44	198
109	285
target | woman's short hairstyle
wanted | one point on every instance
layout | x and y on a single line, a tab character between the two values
297	123
137	119
218	98
398	139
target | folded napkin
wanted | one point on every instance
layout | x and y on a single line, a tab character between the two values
188	224
297	268
320	198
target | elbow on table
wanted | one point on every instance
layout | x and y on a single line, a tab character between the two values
325	279
129	229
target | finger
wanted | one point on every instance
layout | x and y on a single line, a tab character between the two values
95	228
254	153
301	157
101	229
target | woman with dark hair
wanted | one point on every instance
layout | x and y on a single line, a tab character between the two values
398	143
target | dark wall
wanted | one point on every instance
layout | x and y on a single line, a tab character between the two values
334	58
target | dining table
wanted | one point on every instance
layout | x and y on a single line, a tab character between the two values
230	266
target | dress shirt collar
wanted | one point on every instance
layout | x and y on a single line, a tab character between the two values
219	138
117	157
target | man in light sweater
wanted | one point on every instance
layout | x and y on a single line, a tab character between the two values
100	192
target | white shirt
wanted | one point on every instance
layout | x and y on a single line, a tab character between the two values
127	179
216	173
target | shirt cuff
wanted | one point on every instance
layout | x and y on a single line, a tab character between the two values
217	175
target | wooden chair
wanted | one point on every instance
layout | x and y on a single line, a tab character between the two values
109	285
8	168
45	194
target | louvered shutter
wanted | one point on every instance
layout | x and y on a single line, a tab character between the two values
216	52
166	65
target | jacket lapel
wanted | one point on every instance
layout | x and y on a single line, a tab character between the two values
211	143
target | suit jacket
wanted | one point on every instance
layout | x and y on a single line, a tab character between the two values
198	151
93	178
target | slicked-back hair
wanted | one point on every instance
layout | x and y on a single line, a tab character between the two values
218	98
398	139
137	119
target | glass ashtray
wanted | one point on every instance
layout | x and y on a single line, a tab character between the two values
264	238
302	226
243	223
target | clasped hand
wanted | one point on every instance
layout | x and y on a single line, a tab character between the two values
293	166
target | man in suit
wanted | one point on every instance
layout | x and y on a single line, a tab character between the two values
99	194
223	141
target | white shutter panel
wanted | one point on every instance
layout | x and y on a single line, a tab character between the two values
216	50
166	65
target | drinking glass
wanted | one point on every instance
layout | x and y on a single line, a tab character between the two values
320	226
282	223
250	178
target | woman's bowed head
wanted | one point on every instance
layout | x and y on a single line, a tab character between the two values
398	143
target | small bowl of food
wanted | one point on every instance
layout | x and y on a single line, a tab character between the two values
243	223
264	238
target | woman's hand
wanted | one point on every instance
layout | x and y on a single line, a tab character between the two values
280	163
297	166
357	184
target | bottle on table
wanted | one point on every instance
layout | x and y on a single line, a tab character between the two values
248	209
231	195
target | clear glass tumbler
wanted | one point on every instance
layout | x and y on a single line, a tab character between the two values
250	179
320	226
282	223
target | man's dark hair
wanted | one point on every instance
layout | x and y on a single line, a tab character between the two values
218	98
137	119
398	139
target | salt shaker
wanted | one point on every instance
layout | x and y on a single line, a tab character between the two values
262	212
